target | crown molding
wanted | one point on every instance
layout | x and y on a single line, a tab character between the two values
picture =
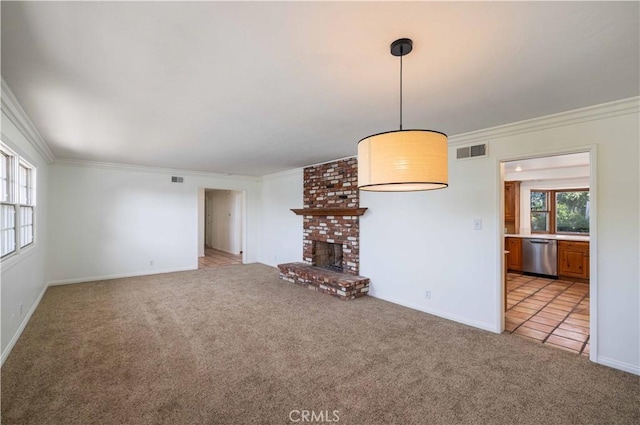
284	173
152	170
301	169
12	109
330	161
591	113
562	119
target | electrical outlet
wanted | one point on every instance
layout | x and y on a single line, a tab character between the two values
477	224
21	308
427	294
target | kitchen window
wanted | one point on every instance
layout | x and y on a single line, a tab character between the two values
17	206
540	211
560	211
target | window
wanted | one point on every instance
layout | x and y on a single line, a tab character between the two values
572	211
560	211
26	204
540	212
17	184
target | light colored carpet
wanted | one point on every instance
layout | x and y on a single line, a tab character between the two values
236	345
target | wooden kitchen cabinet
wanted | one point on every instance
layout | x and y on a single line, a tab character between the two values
573	259
514	258
512	206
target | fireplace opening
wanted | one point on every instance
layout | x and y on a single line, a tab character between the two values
327	255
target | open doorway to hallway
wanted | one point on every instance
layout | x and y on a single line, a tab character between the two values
220	227
547	228
214	258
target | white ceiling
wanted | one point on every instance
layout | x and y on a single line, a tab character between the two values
569	166
254	88
548	162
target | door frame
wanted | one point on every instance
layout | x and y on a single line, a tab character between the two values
208	222
244	221
593	239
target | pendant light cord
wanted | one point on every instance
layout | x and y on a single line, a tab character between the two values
401	54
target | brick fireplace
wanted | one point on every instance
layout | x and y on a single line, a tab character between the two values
328	256
331	232
332	185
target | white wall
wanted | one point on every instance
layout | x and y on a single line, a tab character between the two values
24	277
114	221
413	242
281	229
226	211
418	241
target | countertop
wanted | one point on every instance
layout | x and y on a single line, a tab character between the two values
547	236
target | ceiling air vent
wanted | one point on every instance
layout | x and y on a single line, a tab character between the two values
474	151
176	179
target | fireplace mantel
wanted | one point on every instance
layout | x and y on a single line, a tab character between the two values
329	211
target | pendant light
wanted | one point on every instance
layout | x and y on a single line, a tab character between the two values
403	160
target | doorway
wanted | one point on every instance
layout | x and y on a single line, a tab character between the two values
549	221
221	227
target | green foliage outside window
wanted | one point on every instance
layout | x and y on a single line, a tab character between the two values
538	201
572	212
539	221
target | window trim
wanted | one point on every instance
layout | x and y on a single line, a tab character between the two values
15	162
552	211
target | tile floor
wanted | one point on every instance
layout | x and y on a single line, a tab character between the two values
213	258
554	312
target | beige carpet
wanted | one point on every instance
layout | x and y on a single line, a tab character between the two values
235	345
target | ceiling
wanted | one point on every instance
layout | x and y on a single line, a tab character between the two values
575	165
548	162
254	88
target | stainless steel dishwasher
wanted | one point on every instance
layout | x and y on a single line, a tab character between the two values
540	256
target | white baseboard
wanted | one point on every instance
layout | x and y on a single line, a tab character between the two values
476	324
266	263
119	276
275	266
23	325
627	367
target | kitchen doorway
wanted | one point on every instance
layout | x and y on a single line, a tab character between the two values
548	228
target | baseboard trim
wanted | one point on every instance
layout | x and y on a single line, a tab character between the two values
224	250
22	326
266	263
476	324
626	367
119	276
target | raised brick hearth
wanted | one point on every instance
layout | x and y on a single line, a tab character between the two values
342	285
332	185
